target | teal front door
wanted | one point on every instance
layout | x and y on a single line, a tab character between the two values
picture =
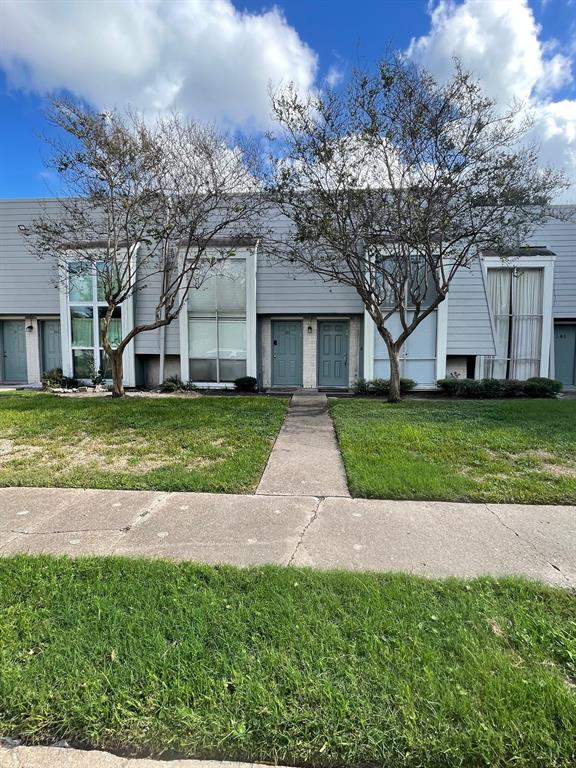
51	345
333	353
14	351
565	353
286	353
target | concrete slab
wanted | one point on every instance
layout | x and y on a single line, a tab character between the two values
551	531
305	458
217	528
57	757
427	538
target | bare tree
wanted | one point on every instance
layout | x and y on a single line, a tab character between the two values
145	204
397	182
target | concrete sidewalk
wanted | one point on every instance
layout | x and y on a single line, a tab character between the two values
427	538
305	459
56	757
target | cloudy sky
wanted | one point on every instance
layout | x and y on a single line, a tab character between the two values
214	59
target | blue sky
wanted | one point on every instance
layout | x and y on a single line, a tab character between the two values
214	59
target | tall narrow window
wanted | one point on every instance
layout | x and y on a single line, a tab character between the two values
217	324
516	298
87	310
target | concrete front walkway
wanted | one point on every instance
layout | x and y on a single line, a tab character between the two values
57	757
427	538
305	459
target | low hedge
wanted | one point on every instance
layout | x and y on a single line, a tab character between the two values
381	386
492	388
245	384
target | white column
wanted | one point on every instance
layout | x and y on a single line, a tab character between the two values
441	338
251	360
32	333
310	353
369	330
547	324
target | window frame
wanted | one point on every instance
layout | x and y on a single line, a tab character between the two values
67	304
546	263
249	255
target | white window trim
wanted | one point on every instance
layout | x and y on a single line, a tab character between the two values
531	262
127	319
370	331
251	257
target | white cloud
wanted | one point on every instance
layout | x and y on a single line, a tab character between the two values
500	42
334	76
202	56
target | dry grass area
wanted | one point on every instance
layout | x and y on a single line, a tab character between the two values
169	443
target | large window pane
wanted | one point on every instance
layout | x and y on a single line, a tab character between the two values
223	290
202	338
231	287
82	361
203	300
105	274
232	339
114	327
80	281
81	320
202	370
232	369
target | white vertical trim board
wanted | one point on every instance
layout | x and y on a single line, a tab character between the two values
65	331
441	338
369	331
251	354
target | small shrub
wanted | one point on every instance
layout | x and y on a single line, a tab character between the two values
245	383
512	388
382	386
55	379
491	388
172	384
451	386
361	386
538	386
52	378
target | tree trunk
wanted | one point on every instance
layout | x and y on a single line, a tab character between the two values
394	356
117	373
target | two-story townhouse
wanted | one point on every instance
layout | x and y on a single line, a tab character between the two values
289	328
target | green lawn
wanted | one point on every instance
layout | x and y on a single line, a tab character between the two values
303	667
483	450
171	444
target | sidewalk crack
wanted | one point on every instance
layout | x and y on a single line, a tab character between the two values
530	544
313	517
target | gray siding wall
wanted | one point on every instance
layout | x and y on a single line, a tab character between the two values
469	325
28	285
283	289
560	237
148	343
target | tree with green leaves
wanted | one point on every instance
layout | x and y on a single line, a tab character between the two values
395	182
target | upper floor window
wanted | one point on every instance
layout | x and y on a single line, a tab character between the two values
217	324
516	298
87	309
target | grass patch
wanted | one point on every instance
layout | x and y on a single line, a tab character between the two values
218	444
492	451
303	667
